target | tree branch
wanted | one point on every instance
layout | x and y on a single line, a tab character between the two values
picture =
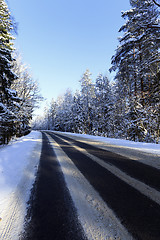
156	3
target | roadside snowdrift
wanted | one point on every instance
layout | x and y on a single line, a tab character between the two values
18	165
140	146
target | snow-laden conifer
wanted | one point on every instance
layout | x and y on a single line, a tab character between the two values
87	96
137	64
103	119
8	98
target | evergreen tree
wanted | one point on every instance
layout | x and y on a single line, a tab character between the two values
67	111
137	60
87	96
59	123
8	98
76	112
52	114
103	107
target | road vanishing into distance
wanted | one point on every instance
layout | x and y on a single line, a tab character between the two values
85	192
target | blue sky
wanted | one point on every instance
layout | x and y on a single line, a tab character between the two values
60	39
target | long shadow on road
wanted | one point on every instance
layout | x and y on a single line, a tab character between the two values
145	173
51	213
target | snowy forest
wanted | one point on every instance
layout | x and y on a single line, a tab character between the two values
19	92
127	107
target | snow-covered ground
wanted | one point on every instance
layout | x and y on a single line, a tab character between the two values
147	153
18	165
141	146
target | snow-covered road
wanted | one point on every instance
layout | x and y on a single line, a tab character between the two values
18	167
111	182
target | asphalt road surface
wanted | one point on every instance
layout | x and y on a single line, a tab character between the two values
52	214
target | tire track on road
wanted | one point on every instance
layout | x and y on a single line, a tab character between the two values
51	213
138	185
97	219
144	173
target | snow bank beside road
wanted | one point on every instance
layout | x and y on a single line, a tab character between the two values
17	173
147	153
141	146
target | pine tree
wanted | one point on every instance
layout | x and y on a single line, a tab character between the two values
8	98
137	60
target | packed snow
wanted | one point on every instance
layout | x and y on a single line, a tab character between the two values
18	166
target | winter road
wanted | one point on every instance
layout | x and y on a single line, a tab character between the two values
85	192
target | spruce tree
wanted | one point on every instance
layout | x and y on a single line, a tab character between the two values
8	97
